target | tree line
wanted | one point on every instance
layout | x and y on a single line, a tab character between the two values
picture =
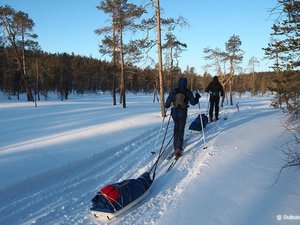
24	67
64	73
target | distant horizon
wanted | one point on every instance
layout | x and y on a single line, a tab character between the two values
70	28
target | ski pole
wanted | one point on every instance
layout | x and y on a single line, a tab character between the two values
207	109
224	109
203	134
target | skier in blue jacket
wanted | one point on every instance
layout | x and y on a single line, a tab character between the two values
179	98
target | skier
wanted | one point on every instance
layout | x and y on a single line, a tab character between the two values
215	89
180	97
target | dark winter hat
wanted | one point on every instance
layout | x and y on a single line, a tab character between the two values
215	79
182	84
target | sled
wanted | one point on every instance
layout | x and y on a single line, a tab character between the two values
196	125
115	199
109	216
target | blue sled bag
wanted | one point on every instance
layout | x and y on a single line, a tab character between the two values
196	124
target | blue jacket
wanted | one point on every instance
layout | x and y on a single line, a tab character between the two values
182	87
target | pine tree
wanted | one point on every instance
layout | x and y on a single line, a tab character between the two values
235	56
17	30
124	16
284	49
253	62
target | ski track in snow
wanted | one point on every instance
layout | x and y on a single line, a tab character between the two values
63	195
67	191
166	193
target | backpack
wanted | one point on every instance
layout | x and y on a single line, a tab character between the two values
180	100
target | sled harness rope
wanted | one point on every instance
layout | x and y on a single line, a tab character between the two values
160	130
162	150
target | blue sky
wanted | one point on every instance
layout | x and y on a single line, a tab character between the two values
68	26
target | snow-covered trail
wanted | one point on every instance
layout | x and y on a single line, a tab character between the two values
61	194
237	185
168	187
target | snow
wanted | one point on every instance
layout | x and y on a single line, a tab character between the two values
54	158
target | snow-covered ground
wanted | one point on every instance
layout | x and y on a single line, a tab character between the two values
55	157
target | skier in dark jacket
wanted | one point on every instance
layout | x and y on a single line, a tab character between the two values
179	98
215	89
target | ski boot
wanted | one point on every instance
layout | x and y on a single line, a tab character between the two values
178	153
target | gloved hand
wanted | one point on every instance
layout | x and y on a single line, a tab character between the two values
166	110
198	95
